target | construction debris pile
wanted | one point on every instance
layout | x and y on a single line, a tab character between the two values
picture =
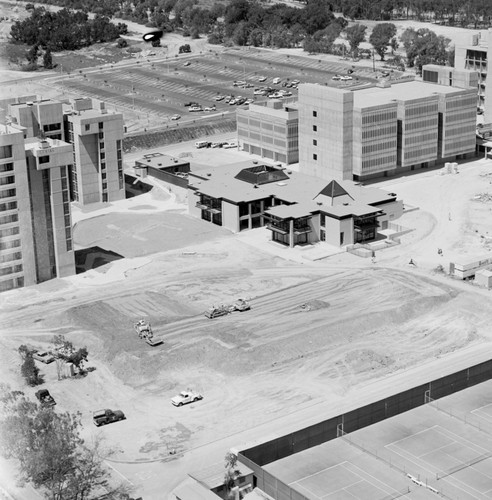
483	197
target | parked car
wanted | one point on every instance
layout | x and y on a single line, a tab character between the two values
239	83
103	417
185	397
210	108
175	117
45	398
262	79
187	63
43	356
219	98
336	77
229	145
276	81
195	108
191	104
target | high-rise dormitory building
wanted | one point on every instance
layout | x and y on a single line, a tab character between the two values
382	130
35	217
97	136
40	173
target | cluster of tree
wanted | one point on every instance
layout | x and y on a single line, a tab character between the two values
475	12
51	454
64	30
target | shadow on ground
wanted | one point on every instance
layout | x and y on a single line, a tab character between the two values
93	257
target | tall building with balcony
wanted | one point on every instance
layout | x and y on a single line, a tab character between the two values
474	54
269	129
97	166
35	220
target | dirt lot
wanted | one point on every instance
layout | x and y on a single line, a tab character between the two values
258	367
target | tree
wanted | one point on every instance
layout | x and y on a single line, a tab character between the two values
32	54
423	46
356	34
231	471
122	43
48	59
30	371
381	37
51	454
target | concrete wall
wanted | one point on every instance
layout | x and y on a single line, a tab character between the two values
230	216
331	128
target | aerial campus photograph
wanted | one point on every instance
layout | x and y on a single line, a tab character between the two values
245	250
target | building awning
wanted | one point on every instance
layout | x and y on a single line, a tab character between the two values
276	229
215	211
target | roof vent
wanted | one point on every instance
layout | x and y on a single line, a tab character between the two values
29	103
209	175
149	160
44	144
289	172
281	184
346	204
159	164
255	162
319	203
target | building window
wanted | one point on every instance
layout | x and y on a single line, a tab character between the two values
243	209
315	128
12	205
103	155
103	175
315	114
69	245
118	144
105	186
322	235
342	238
105	197
7	193
5	152
44	159
7	180
101	145
315	156
87	127
101	135
101	125
103	167
7	167
315	142
243	224
322	220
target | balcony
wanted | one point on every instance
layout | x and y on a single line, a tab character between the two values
277	229
302	229
214	209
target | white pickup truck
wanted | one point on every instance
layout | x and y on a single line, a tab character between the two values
185	397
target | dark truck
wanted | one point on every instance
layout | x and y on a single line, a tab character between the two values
103	417
45	398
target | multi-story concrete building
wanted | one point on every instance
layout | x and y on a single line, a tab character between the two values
97	136
40	118
269	129
35	220
370	132
452	77
474	55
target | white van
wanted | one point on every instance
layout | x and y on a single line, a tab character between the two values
276	81
202	144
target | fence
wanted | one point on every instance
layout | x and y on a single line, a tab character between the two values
258	456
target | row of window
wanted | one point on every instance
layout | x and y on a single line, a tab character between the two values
10	231
462	131
469	116
10	257
51	127
389	115
421	110
6	167
421	124
7	193
421	153
10	284
5	152
378	162
462	102
10	179
380	146
4	271
7	219
5	245
421	139
11	205
389	130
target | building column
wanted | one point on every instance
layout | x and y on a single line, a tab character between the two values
291	233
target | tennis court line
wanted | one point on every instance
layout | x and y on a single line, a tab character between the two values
463	440
372	477
416	434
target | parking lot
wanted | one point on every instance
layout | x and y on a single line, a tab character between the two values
162	87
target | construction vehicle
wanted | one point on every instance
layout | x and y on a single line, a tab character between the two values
45	398
224	309
144	331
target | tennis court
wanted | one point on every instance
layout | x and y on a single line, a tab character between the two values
343	481
450	457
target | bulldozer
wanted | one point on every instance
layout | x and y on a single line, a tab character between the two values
222	310
144	331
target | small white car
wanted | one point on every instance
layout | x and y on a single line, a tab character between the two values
187	63
195	108
185	397
219	98
210	108
175	117
43	356
262	79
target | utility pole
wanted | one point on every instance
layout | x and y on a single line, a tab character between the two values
373	62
